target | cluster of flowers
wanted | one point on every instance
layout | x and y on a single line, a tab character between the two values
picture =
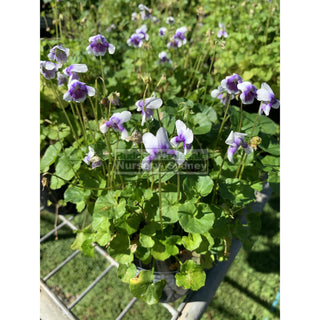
77	90
233	85
136	39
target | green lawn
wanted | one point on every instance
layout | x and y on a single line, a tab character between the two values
247	291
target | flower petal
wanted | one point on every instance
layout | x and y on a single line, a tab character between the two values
150	142
162	137
111	48
91	91
153	103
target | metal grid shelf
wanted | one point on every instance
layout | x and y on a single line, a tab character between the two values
193	306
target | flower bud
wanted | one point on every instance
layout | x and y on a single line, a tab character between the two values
254	142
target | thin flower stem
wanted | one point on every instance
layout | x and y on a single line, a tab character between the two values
239	166
102	77
158	114
245	159
223	122
205	89
218	176
64	111
82	126
85	119
75	117
241	115
178	184
160	204
94	110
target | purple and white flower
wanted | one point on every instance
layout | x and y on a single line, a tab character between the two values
116	122
266	95
142	32
99	45
62	78
249	92
222	94
174	43
134	16
135	40
222	31
78	91
179	35
158	145
73	70
235	140
185	135
48	69
170	20
91	158
162	31
147	109
164	58
59	53
145	12
230	83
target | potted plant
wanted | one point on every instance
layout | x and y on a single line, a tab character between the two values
164	181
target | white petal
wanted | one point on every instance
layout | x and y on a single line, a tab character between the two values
153	103
248	150
124	116
188	134
266	87
162	137
180	158
81	68
143	120
174	143
150	142
230	140
181	127
277	105
49	65
243	85
239	135
67	96
111	48
124	134
89	50
91	91
145	164
182	29
224	84
85	159
91	152
103	128
263	95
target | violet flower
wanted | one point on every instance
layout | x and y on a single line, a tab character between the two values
235	140
149	105
179	35
266	95
62	78
78	91
145	12
135	40
174	43
99	45
249	92
185	135
59	53
163	58
158	145
162	31
142	32
222	94
116	122
170	20
222	31
134	16
48	69
230	83
73	70
91	158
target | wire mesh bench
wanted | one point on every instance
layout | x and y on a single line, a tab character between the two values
193	306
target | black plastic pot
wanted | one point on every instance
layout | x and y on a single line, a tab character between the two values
171	291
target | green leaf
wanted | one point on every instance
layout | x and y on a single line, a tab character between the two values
192	241
191	276
196	219
126	272
107	205
50	156
201	124
83	242
146	241
78	196
119	249
201	185
145	289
